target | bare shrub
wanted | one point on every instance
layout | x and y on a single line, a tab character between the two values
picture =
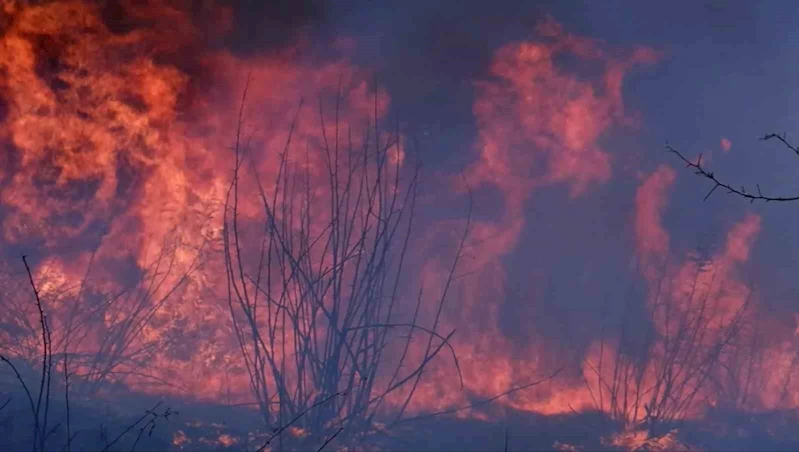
314	288
662	365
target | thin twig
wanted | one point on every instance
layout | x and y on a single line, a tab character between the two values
22	381
39	428
330	439
132	426
279	430
66	398
752	197
482	402
783	139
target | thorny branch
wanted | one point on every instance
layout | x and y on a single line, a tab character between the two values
742	192
783	139
47	363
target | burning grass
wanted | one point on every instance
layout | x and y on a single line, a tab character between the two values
267	259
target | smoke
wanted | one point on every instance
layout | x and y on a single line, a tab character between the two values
116	125
652	238
726	145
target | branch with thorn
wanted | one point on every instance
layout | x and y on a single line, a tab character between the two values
752	197
783	138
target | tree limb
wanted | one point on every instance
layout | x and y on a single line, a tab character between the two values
752	197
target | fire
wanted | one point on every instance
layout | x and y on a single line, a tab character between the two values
120	143
706	336
119	165
652	239
538	126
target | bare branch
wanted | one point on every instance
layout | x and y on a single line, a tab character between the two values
483	402
24	386
783	139
699	170
147	413
330	439
280	429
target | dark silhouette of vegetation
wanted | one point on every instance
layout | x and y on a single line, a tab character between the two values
661	364
146	422
742	191
315	308
38	411
41	407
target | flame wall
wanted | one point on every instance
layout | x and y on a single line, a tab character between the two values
115	129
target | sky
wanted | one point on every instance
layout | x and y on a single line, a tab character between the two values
556	114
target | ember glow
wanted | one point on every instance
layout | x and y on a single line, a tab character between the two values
167	182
